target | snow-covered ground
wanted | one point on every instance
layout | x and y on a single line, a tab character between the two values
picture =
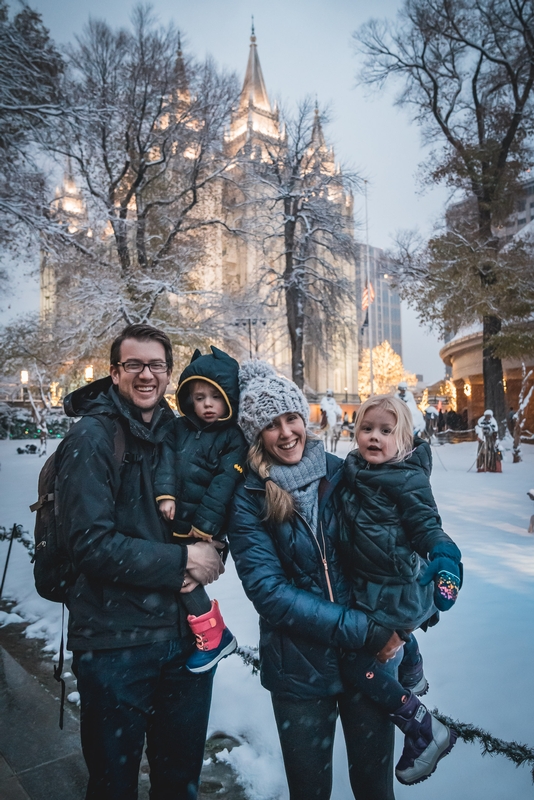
478	660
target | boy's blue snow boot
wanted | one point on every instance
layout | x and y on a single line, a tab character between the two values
214	640
426	741
413	678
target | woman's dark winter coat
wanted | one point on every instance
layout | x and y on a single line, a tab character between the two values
390	524
283	574
202	464
128	573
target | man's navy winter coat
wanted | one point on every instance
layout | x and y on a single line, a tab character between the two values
109	523
283	569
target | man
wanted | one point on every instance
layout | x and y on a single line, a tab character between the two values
129	639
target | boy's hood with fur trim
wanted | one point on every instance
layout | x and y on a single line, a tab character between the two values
217	368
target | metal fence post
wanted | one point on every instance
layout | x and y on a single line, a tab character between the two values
13	533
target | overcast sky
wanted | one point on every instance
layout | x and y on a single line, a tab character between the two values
305	49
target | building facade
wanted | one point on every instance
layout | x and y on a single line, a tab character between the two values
381	320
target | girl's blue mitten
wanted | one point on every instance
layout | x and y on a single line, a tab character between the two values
446	570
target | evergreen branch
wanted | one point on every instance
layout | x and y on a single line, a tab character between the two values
249	656
17	533
518	753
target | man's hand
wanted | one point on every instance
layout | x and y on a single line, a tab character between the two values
390	649
204	564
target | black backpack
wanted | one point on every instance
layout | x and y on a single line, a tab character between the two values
53	571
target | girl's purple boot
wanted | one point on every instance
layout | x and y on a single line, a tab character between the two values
426	741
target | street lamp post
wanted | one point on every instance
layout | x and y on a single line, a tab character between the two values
248	322
24	379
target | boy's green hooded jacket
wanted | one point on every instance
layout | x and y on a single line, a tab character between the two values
201	463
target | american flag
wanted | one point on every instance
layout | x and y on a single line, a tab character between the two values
368	296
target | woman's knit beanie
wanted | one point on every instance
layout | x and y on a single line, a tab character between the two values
265	395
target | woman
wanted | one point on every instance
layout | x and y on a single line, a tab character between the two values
283	533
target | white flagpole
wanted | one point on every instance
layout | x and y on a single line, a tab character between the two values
368	277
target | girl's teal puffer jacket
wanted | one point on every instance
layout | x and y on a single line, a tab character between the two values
390	524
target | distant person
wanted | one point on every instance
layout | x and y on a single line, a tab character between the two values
441	421
392	526
511	420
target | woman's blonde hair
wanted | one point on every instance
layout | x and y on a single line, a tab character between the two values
279	504
403	429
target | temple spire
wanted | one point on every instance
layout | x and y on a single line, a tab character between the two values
180	74
317	137
254	92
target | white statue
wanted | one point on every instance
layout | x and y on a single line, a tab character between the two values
417	415
331	418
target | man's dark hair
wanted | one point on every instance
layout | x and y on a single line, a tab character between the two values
143	333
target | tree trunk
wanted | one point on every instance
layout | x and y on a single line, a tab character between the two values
491	325
493	375
295	325
294	299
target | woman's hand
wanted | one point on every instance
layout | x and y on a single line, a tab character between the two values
390	649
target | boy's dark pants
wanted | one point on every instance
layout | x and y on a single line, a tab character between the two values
127	692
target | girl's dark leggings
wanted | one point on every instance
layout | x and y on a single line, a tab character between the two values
365	673
306	729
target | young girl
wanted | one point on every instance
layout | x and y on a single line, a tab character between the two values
404	567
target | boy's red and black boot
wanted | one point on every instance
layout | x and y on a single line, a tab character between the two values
214	640
426	741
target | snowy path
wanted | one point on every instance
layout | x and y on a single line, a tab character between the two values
478	660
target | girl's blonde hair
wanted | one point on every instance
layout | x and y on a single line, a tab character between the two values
279	504
403	429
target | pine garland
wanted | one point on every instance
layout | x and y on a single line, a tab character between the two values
17	533
519	754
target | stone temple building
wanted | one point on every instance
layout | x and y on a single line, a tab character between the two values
235	264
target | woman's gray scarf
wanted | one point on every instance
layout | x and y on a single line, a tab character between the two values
302	480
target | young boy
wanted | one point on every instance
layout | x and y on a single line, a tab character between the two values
200	466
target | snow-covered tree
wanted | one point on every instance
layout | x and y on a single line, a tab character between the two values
467	73
141	141
388	371
525	395
303	219
30	73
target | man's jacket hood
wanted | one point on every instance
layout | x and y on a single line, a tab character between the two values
219	369
101	397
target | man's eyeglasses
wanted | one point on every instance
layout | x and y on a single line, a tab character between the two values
138	366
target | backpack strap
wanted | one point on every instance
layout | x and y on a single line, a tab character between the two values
114	427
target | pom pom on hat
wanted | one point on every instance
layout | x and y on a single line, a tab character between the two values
265	395
250	370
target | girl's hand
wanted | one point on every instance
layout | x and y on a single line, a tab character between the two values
167	508
390	649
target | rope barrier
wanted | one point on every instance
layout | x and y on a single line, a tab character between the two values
519	754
